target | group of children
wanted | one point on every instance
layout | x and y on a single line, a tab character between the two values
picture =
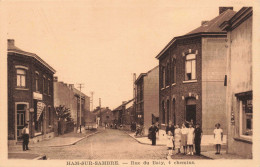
186	137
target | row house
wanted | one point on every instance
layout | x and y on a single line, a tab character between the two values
124	114
67	95
191	76
239	83
147	98
105	116
30	95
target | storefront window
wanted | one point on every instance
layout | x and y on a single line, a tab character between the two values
246	117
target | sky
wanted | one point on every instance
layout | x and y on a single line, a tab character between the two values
101	43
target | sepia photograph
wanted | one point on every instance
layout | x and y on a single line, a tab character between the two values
129	83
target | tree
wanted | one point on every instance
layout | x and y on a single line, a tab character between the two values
63	113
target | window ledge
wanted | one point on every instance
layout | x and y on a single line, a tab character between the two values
173	84
37	134
190	81
167	86
18	88
244	139
162	88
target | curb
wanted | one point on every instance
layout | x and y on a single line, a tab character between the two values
76	141
143	142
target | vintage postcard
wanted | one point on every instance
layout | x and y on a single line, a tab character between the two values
129	83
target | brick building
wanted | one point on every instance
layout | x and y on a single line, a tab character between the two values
191	76
30	95
67	95
147	98
239	83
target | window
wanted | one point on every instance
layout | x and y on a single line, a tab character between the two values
163	77
36	82
163	113
173	70
21	77
168	111
168	74
48	87
190	67
246	116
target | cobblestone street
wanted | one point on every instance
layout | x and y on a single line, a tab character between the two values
108	144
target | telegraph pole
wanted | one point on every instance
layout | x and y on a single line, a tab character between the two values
91	100
80	86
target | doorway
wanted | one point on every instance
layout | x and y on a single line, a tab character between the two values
191	110
21	111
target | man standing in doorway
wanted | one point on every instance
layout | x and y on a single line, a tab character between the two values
25	133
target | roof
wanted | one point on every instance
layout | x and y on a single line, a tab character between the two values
243	14
77	92
212	27
124	104
144	74
11	48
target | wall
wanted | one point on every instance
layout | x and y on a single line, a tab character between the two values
151	97
239	80
213	89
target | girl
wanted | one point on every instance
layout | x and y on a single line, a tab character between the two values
184	132
190	139
218	137
177	138
170	142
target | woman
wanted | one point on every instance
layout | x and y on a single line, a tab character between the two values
184	132
190	139
177	138
218	137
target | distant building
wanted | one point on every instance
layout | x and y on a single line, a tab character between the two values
67	95
104	115
30	95
192	69
147	98
239	83
124	114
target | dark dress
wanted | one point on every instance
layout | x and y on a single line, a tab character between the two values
197	140
152	131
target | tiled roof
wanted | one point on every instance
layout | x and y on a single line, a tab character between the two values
213	25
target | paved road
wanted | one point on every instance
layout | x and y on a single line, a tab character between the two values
109	144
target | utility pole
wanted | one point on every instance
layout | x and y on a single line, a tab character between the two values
91	100
80	86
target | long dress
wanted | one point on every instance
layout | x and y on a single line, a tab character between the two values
190	136
169	141
177	138
184	132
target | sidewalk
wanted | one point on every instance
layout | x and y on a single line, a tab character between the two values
207	147
60	141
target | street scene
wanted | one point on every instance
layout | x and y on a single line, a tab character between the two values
91	81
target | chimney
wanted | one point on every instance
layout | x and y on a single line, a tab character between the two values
204	22
71	86
55	79
223	9
11	42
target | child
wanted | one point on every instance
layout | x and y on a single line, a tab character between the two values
169	142
197	140
177	138
218	137
184	132
190	139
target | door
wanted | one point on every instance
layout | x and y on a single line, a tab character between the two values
191	113
20	119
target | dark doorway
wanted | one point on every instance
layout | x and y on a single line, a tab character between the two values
173	112
191	113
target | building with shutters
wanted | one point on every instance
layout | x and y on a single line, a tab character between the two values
30	95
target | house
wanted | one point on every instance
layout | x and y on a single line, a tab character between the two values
67	95
30	95
192	69
124	114
104	116
239	94
147	98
